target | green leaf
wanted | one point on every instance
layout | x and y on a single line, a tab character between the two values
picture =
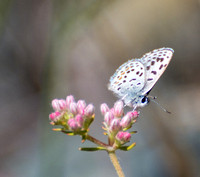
127	148
92	148
71	133
68	132
133	132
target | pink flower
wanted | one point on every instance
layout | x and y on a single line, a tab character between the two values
59	105
54	116
73	124
115	125
69	100
118	109
109	116
126	121
73	108
104	108
89	110
123	137
79	119
81	105
133	115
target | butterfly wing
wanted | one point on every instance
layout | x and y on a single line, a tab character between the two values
128	80
155	63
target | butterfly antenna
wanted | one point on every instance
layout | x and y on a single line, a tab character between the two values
152	97
160	106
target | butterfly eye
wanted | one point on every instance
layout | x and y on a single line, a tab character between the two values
144	100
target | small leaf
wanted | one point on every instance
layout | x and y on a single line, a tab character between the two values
127	128
67	131
105	133
104	128
133	132
92	148
57	129
131	146
71	133
82	132
127	148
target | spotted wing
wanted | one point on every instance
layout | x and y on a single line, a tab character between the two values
155	63
128	79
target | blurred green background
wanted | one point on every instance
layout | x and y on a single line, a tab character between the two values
50	49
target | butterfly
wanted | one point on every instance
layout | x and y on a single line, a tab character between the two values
133	80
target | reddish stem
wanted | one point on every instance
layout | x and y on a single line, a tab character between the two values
96	141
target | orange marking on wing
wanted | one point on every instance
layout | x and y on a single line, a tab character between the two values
127	69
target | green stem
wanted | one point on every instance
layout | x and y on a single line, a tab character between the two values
116	164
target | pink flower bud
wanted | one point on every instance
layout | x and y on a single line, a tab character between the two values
133	115
55	104
115	125
69	100
126	121
54	116
59	105
81	106
123	137
112	110
73	108
109	116
72	124
104	108
89	110
79	119
118	109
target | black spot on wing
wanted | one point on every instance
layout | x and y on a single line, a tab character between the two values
132	80
148	67
154	72
160	66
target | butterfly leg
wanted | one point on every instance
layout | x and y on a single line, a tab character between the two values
125	104
124	96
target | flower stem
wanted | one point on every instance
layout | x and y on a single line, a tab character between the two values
96	141
116	164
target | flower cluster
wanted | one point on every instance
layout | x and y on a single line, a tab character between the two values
73	116
116	123
76	117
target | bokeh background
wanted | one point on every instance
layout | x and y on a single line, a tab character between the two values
50	49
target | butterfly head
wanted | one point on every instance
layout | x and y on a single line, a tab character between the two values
144	100
140	102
